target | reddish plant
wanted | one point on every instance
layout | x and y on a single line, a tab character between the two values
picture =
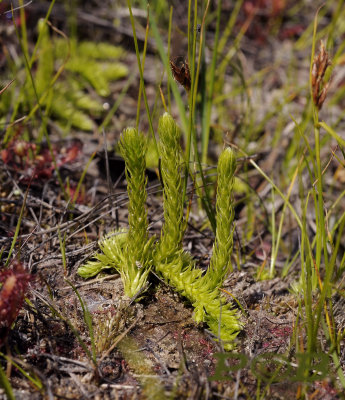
262	17
14	283
25	159
271	8
71	191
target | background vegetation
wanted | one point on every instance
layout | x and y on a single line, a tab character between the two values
265	78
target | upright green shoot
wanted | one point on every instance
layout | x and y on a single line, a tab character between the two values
88	322
137	250
142	86
176	266
220	263
173	229
130	253
143	68
207	106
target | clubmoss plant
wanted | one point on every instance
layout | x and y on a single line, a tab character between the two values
175	265
130	253
170	243
220	262
138	249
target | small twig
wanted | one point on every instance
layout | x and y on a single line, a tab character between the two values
88	283
10	83
86	394
327	165
66	360
278	322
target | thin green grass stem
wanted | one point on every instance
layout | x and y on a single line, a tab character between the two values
192	132
41	33
143	67
62	242
304	40
30	376
230	25
306	277
57	313
207	106
337	364
16	233
191	98
275	243
288	264
169	56
293	211
173	85
232	50
88	322
319	205
332	132
336	16
321	236
142	85
23	30
189	30
75	196
5	383
337	245
112	111
311	152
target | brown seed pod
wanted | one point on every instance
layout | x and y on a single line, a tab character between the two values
181	73
319	87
